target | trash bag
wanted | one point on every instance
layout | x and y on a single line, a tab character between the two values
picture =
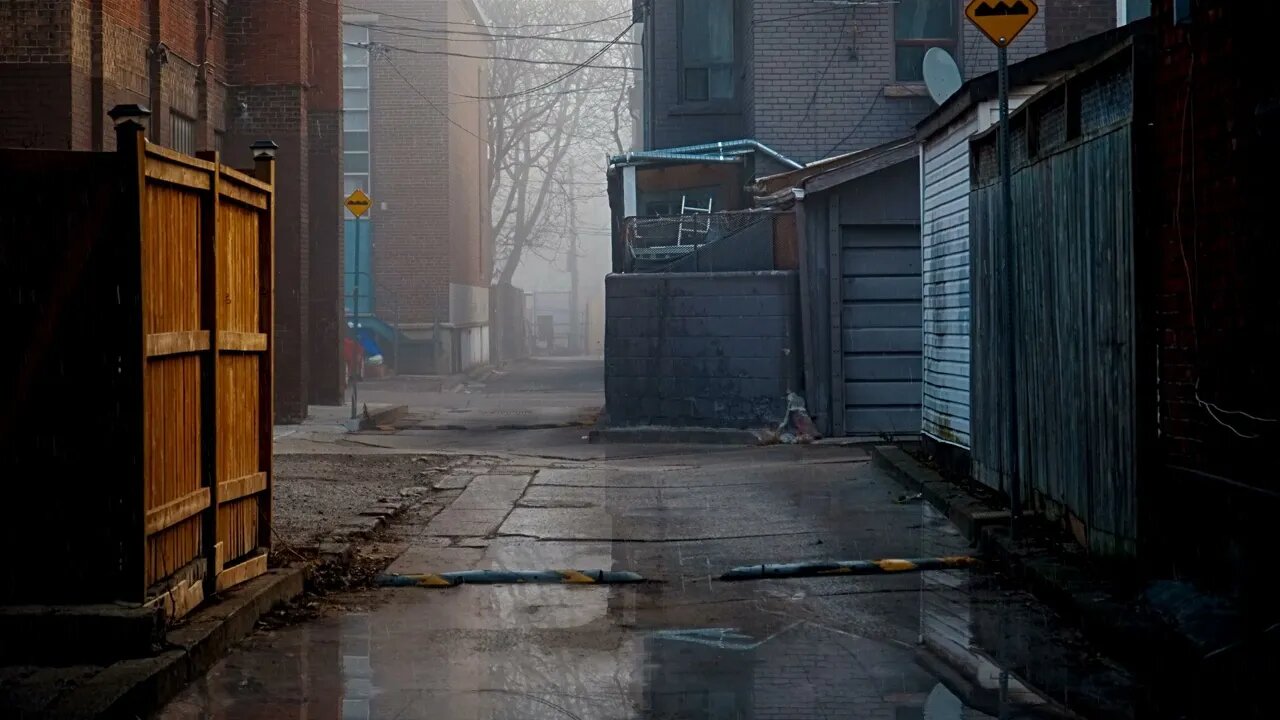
797	428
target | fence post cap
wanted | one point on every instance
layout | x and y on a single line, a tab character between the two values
134	112
264	149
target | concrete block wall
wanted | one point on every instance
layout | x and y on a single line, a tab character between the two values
716	350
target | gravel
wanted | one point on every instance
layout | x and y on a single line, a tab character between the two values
314	494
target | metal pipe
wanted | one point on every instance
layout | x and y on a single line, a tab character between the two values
846	567
666	155
691	152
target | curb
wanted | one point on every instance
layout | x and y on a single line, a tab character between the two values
1126	628
679	436
968	513
372	420
140	687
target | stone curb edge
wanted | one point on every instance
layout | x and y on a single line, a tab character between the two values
139	687
1123	629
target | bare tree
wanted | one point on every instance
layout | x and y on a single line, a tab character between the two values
559	101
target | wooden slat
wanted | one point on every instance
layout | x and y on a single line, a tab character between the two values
232	490
242	342
180	600
247	570
245	196
167	172
170	514
230	173
177	343
173	156
210	246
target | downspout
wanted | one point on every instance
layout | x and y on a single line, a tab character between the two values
806	302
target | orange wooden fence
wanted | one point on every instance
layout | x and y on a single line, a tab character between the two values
145	303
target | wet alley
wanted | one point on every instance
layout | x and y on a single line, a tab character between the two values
684	645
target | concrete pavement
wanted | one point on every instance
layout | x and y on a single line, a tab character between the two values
891	648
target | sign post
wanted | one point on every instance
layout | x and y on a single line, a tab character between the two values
357	203
1001	21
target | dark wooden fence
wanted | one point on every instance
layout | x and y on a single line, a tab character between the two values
136	431
1081	370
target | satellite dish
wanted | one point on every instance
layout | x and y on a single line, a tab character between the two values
941	74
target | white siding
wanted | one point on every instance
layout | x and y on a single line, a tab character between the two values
944	242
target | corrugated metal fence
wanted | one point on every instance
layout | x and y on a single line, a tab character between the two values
1075	310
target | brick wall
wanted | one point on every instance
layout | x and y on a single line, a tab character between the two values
268	73
324	136
410	173
700	349
35	66
1217	144
1067	21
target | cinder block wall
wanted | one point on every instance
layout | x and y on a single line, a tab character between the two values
714	350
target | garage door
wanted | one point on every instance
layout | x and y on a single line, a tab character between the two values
880	329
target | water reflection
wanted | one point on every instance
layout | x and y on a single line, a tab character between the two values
930	646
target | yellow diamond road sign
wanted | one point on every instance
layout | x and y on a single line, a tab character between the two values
358	203
1002	20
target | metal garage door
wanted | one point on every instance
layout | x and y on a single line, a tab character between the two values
880	329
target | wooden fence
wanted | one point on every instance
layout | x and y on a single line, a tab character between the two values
139	438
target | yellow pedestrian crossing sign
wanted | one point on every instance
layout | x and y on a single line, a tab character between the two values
359	203
1002	20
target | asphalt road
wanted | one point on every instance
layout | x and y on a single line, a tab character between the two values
686	645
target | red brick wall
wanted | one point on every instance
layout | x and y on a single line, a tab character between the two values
267	71
1217	131
1067	21
410	147
35	65
324	136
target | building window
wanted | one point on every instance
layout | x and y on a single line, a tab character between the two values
1128	11
707	50
182	133
920	25
356	161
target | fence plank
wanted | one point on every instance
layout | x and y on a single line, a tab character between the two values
177	343
246	196
210	455
186	177
170	514
242	342
242	487
246	570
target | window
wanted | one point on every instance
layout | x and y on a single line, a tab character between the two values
356	160
920	25
1128	11
706	50
182	133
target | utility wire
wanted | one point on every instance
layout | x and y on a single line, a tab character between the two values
565	27
526	61
543	86
443	112
448	35
856	125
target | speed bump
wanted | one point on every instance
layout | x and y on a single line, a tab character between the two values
511	577
846	567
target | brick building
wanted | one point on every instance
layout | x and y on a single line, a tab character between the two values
216	74
812	80
1217	133
414	142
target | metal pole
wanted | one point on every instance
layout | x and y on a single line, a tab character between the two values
355	321
1011	313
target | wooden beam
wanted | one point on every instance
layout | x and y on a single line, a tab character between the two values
242	342
170	514
211	286
167	172
232	490
247	570
177	343
178	158
243	195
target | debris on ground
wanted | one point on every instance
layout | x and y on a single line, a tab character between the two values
798	428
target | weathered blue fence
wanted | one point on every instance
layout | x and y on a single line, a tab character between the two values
1075	316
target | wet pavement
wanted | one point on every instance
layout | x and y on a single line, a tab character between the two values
903	647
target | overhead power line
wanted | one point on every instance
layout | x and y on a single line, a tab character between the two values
565	27
449	35
527	61
443	112
563	76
